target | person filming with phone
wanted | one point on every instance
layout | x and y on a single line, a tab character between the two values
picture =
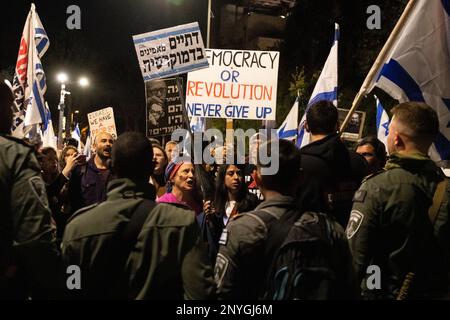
56	175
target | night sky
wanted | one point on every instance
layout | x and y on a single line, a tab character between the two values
102	50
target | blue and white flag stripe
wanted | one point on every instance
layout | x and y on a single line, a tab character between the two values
325	89
76	134
382	122
48	134
416	67
289	127
30	86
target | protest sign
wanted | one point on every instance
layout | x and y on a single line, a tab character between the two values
170	51
239	84
353	130
164	109
102	120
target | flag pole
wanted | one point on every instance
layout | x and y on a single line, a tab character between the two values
380	59
183	104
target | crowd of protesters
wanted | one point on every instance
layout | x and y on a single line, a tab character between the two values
140	223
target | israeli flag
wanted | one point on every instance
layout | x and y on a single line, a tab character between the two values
77	136
325	89
48	134
382	122
416	66
29	84
288	129
87	151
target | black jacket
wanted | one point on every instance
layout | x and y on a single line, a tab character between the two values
88	185
330	176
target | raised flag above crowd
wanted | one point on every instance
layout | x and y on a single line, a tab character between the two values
48	133
288	129
76	134
29	84
414	65
325	89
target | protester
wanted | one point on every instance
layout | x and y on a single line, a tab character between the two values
171	149
29	259
54	183
374	151
250	241
232	197
88	182
205	174
48	160
180	186
255	141
71	142
154	141
331	173
160	161
398	222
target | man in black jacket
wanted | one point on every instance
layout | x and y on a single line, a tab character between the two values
331	173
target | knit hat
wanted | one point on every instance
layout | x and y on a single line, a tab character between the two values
171	170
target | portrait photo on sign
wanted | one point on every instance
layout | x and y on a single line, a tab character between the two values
353	130
163	104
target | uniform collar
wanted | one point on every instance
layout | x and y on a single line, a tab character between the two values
124	188
416	162
278	201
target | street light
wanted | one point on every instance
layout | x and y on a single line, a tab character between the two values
63	79
83	81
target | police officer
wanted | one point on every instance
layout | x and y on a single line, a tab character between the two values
167	260
29	259
391	224
248	242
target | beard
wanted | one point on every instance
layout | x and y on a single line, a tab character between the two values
102	155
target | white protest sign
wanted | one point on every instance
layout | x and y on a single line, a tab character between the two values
102	120
239	84
170	51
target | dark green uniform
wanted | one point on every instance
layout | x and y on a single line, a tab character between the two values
167	262
389	227
242	265
29	259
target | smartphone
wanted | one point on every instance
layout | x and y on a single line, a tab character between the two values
82	158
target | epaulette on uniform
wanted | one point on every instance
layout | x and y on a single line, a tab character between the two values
237	216
21	141
370	176
81	211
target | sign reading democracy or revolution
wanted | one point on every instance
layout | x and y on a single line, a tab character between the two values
239	84
102	120
170	51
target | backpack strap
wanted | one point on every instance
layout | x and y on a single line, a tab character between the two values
437	200
134	226
277	230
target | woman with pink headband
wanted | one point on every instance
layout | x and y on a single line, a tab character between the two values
180	188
